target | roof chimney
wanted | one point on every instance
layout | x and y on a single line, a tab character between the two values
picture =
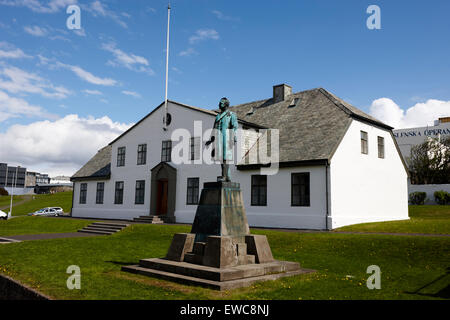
281	92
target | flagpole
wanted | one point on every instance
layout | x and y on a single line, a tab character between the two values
167	66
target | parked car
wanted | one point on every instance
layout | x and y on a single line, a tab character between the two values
45	212
58	210
3	215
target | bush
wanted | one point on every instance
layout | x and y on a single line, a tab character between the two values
417	197
442	197
3	192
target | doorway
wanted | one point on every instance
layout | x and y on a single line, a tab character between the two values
162	196
163	191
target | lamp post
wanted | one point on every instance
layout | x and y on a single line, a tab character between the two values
12	193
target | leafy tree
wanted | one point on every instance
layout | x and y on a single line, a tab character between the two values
429	162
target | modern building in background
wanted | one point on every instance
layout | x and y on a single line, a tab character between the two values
8	176
29	182
337	165
407	138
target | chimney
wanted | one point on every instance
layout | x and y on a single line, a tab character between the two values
281	92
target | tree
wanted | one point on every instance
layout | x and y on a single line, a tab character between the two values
430	162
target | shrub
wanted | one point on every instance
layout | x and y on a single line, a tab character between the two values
3	192
442	197
417	197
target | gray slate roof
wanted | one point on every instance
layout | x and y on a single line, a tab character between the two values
98	167
311	129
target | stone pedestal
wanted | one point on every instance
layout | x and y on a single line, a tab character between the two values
219	252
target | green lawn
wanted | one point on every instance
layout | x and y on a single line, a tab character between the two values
431	219
36	225
341	260
6	200
60	199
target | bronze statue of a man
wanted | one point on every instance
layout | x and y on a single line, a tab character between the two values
224	135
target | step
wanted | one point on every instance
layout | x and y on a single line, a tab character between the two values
100	229
218	274
199	248
95	232
150	217
121	225
101	226
147	220
193	258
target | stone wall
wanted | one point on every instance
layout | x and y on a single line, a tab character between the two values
11	289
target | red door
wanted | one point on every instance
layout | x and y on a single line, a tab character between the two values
161	205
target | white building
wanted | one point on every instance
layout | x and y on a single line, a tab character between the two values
410	137
337	166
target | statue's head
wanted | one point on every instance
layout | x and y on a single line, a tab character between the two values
224	104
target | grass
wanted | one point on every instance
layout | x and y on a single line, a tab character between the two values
429	219
341	260
39	201
37	225
6	200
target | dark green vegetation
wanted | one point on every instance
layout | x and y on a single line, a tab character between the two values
407	263
429	219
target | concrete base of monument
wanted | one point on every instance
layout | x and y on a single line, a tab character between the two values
219	252
216	278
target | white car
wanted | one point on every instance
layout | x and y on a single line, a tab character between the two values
45	212
58	210
3	215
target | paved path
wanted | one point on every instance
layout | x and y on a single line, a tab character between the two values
363	233
25	199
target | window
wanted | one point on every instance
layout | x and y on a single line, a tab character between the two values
259	190
140	192
142	154
118	197
195	148
364	143
300	189
121	157
192	191
100	192
381	147
166	151
83	193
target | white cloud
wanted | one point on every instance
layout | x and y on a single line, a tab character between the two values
36	31
222	16
93	92
204	34
128	60
79	32
99	9
87	76
15	80
131	93
51	6
11	107
7	51
419	115
188	52
58	147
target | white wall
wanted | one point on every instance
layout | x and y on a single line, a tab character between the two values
277	213
365	188
150	132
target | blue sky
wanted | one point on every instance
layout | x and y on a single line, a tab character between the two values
115	65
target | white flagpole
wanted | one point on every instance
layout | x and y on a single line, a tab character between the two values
167	67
